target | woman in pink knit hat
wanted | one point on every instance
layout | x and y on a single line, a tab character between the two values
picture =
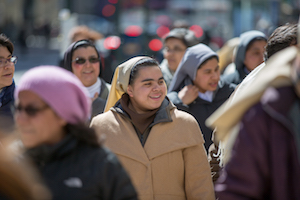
52	107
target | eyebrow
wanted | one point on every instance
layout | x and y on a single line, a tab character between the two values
7	56
150	79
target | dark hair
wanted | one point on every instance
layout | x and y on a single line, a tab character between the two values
282	37
185	35
216	57
254	40
5	42
83	134
145	62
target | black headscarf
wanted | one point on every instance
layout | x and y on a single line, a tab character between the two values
75	45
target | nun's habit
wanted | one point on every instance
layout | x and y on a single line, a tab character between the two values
241	72
200	108
99	103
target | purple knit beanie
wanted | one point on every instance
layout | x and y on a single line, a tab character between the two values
60	89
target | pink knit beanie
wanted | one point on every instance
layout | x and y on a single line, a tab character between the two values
60	89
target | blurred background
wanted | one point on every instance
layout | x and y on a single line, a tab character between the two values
40	28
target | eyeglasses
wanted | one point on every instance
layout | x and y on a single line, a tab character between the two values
5	61
30	110
175	50
81	61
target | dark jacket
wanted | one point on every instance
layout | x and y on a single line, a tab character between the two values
6	103
202	109
241	72
265	163
74	170
98	104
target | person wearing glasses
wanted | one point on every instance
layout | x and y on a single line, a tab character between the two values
51	109
83	59
7	85
175	44
159	146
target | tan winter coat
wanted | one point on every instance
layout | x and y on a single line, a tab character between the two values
173	163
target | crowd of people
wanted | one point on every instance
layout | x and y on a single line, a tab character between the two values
183	129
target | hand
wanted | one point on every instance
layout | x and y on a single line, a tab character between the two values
95	96
188	94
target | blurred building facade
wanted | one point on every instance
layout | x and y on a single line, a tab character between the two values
45	23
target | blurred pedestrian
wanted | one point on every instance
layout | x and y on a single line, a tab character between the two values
175	44
165	159
83	59
196	86
265	158
227	55
83	32
250	54
7	85
52	107
19	179
282	37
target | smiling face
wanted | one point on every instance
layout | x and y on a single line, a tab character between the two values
87	72
208	76
148	90
255	54
7	69
45	127
174	51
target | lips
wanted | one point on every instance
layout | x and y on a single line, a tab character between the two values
8	75
156	97
87	72
214	84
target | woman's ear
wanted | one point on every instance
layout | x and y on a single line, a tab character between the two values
130	90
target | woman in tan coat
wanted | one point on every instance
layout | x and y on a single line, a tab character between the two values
160	147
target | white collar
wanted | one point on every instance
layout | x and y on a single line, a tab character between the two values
95	88
208	95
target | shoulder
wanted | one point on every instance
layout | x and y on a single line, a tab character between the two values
274	105
231	78
226	87
224	91
183	119
103	117
185	126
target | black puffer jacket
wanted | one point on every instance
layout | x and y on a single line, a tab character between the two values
74	170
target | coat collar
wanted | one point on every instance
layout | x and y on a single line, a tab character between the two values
8	94
166	135
46	153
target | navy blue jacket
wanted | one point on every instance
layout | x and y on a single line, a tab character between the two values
6	113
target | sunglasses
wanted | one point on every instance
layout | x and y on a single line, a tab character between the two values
81	61
30	110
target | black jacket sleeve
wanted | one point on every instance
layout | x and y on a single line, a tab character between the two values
118	184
